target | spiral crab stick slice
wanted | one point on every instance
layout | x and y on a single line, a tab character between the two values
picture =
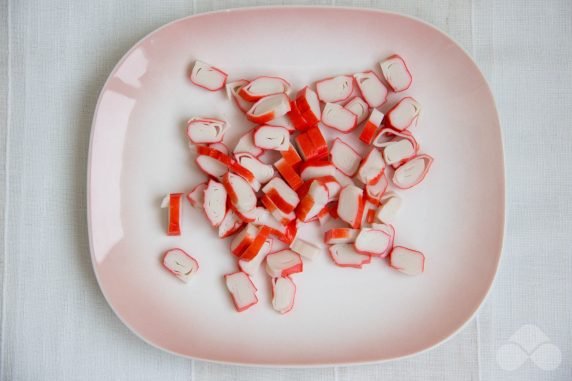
272	138
372	241
214	203
173	204
339	118
412	172
390	205
230	224
283	294
308	104
335	89
261	171
262	87
313	202
305	248
289	174
408	261
371	126
283	263
359	107
340	235
345	255
252	266
375	190
371	168
344	157
208	77
404	114
351	205
398	146
206	130
371	88
396	73
196	195
242	290
180	264
284	197
269	108
232	90
246	144
240	193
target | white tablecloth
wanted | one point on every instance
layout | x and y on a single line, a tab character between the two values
55	57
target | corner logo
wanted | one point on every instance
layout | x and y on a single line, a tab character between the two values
529	342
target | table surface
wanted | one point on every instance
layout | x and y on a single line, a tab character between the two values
55	323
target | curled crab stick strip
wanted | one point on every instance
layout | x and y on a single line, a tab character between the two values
214	203
180	264
242	290
412	172
272	138
208	77
269	108
262	87
396	73
404	114
335	89
206	130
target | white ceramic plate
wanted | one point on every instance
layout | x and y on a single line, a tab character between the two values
139	153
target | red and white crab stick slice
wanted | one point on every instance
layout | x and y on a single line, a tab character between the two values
252	266
412	172
359	107
243	239
396	73
408	261
262	87
283	263
316	168
335	89
371	168
283	294
305	248
340	235
230	224
257	244
220	147
371	88
398	151
272	138
372	241
313	202
246	144
174	204
207	76
240	192
344	157
390	230
205	130
214	203
232	90
345	255
390	205
339	118
308	104
269	108
312	144
291	156
242	290
263	172
350	205
370	127
289	174
375	189
404	114
196	195
180	264
284	197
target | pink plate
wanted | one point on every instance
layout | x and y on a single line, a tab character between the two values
139	153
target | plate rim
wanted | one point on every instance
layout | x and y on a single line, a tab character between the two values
317	364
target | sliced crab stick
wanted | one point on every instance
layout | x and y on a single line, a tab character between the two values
205	130
345	255
272	138
252	266
371	168
404	114
335	89
214	203
289	174
269	108
372	241
196	196
390	205
207	76
412	172
242	290
262	87
350	205
339	118
283	294
396	73
283	263
408	261
173	204
340	235
344	157
370	127
371	88
359	107
230	224
180	264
